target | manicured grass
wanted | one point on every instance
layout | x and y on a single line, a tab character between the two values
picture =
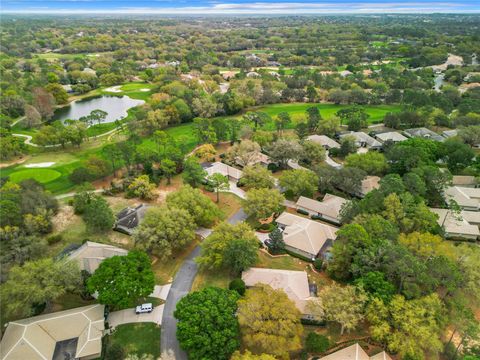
43	176
206	278
229	203
141	338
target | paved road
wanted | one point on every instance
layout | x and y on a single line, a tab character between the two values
182	283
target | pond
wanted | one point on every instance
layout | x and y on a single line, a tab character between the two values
115	106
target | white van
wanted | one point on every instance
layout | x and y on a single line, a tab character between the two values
144	308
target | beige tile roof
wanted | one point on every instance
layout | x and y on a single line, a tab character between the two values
369	183
458	224
459	180
392	136
305	234
355	352
294	283
36	337
224	169
329	206
465	197
324	141
91	254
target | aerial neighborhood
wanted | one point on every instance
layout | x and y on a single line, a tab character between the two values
240	187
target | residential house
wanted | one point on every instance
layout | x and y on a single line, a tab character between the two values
224	169
328	209
305	237
129	218
253	74
91	254
294	283
465	181
466	197
345	73
392	136
364	140
368	184
424	133
355	352
227	75
449	133
325	141
71	334
258	158
463	225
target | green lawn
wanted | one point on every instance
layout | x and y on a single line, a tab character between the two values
43	176
141	338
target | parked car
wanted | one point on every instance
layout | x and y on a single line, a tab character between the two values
144	308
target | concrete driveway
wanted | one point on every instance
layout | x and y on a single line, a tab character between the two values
128	316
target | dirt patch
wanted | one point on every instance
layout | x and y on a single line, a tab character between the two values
64	218
13	162
122	239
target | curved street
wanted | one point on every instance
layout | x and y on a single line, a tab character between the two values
182	283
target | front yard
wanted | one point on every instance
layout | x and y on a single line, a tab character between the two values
140	338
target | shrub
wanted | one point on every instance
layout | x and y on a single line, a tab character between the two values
273	167
316	343
237	285
318	263
53	239
301	211
114	351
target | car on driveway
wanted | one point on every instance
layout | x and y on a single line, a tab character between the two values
144	308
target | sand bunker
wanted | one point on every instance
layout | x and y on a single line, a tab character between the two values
40	165
114	89
144	90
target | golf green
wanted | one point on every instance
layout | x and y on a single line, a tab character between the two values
43	176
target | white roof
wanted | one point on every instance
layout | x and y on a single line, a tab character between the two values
330	205
324	141
91	254
224	169
464	223
294	283
391	136
36	337
361	137
355	352
459	180
465	197
305	234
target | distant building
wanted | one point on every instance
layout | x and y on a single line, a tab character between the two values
227	75
449	133
345	73
260	159
392	136
224	169
306	237
129	218
463	225
89	71
67	88
355	352
466	197
91	254
253	74
424	133
325	141
71	334
294	283
328	209
364	140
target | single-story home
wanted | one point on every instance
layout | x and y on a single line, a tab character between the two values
129	218
328	209
224	169
227	75
424	133
91	254
259	158
364	140
368	184
305	237
355	352
462	225
325	141
466	197
392	136
73	334
449	133
294	283
465	181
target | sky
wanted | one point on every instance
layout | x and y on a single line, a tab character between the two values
237	7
